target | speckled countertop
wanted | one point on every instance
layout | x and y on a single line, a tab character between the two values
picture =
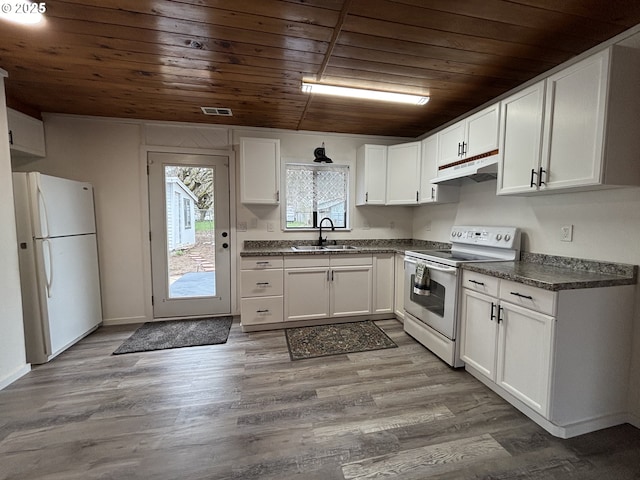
259	248
539	270
559	273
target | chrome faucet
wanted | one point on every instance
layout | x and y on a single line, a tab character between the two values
320	239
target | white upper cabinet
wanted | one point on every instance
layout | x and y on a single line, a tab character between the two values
260	171
26	134
590	124
521	140
371	175
475	135
403	174
430	192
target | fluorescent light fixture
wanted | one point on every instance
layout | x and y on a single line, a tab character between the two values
22	11
363	93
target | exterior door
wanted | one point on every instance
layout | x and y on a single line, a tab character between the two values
190	243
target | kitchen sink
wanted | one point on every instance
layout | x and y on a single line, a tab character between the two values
339	247
315	248
306	248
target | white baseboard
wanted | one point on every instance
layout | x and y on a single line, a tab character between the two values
123	321
634	420
15	375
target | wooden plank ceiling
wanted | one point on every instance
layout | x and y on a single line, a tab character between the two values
164	59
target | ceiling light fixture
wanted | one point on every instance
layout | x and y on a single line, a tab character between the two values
22	11
364	93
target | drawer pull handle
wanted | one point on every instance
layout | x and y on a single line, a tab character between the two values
528	297
476	282
263	263
493	311
262	284
262	311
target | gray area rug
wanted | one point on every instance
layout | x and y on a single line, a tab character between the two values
176	334
336	339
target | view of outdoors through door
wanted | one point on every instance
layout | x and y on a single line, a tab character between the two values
190	218
189	232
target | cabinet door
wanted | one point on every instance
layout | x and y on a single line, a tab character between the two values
306	293
574	123
521	134
260	171
26	134
479	332
351	290
383	282
431	192
524	355
403	176
428	169
398	303
450	144
371	175
482	131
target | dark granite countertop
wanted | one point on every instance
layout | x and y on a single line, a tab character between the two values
258	248
559	273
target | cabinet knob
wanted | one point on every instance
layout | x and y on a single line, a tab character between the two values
10	137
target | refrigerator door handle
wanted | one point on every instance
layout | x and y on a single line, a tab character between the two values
43	201
48	269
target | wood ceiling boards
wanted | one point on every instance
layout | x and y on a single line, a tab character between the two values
164	59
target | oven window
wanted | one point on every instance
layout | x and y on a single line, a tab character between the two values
434	302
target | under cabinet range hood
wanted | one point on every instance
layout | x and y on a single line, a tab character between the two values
466	171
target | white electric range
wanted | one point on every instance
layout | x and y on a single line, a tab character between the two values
432	319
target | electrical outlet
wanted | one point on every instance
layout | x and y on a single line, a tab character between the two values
269	226
366	226
241	227
253	223
427	225
392	224
566	233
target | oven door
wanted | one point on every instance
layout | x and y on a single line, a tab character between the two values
437	310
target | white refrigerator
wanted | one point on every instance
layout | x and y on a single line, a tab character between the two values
58	256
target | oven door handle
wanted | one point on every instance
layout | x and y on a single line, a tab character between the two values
431	267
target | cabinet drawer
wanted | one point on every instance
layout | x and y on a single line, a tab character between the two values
261	283
533	298
306	261
254	311
348	260
258	263
480	283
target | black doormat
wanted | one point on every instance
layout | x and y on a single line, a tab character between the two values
336	339
177	334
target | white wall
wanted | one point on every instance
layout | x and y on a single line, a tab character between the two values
297	147
106	154
12	351
606	227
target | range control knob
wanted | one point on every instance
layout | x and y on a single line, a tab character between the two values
453	234
499	236
507	237
459	234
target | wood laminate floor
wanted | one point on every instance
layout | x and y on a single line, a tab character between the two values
243	410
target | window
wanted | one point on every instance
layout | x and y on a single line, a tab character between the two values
314	192
187	212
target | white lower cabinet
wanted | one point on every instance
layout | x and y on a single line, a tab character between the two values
479	332
559	357
317	287
398	301
383	283
524	355
261	291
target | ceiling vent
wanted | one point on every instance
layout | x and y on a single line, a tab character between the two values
223	112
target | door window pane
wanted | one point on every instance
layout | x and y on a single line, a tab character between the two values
190	251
